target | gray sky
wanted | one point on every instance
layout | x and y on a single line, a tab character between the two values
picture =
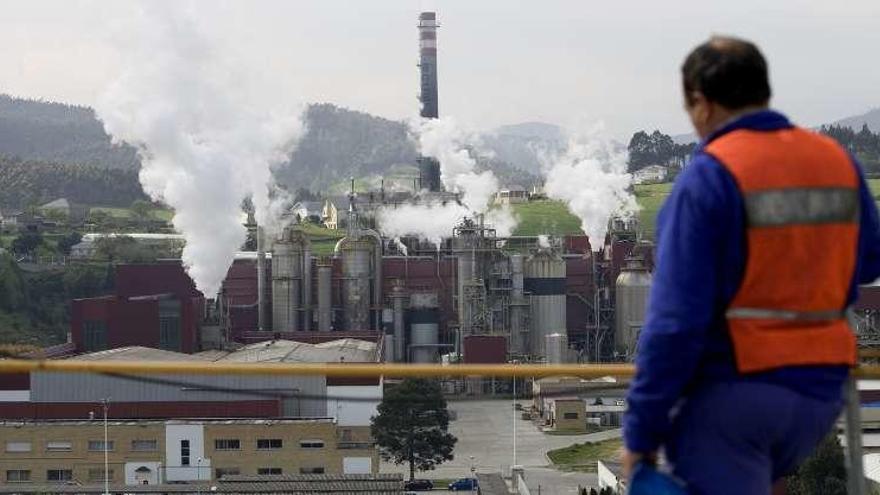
570	62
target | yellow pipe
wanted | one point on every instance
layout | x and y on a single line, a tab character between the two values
338	369
331	369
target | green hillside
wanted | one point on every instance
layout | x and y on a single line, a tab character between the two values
552	217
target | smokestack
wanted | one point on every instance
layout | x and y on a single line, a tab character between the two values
429	168
261	280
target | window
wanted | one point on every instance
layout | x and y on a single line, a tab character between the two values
97	474
311	444
268	443
184	452
227	444
570	415
95	335
269	471
17	475
98	445
144	445
62	446
59	475
221	472
311	470
18	446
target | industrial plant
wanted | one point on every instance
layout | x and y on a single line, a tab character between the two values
475	297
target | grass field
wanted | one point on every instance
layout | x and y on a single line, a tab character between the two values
583	456
158	213
553	217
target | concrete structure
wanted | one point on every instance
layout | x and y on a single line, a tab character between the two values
610	475
429	168
651	174
152	452
565	414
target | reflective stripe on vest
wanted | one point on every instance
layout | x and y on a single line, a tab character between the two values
805	206
800	192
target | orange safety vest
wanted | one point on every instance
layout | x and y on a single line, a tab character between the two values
801	198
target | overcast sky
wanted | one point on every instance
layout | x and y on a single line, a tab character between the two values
568	62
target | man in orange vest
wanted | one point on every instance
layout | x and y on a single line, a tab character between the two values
760	247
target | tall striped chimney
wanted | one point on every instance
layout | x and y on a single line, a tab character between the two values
429	168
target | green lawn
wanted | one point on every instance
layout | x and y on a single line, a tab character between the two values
552	217
583	456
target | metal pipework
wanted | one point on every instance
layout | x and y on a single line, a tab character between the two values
261	281
325	299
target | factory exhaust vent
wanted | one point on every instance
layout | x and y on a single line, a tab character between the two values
429	169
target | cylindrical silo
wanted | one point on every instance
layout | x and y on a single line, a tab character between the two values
424	327
398	303
557	348
356	256
544	281
287	261
631	300
325	291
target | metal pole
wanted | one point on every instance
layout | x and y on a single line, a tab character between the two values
514	421
105	404
854	470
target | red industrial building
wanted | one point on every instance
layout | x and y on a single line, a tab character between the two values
154	305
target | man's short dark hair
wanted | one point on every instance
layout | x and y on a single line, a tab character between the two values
728	71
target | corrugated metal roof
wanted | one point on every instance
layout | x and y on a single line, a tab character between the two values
137	353
288	351
380	484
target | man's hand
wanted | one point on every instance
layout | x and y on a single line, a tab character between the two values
630	459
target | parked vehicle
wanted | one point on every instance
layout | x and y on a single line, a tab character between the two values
418	485
464	484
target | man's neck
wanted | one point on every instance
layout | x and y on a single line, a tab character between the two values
732	115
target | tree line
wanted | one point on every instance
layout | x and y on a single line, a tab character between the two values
863	144
24	183
656	148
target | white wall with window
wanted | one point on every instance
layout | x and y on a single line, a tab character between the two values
185	453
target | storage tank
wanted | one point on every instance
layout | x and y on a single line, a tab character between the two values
356	256
557	348
631	299
287	280
544	282
325	291
424	327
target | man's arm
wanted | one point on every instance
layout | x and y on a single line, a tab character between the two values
869	233
700	220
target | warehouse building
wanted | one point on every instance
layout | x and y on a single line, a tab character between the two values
155	452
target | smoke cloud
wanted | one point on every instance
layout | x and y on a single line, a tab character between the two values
590	177
206	129
451	145
447	142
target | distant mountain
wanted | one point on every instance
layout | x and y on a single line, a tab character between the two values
871	117
56	132
522	145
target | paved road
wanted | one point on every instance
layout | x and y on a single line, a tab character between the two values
485	432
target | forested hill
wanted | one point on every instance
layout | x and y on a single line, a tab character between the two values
338	144
24	183
56	132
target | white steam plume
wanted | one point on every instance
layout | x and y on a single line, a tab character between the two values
591	178
447	142
444	140
206	130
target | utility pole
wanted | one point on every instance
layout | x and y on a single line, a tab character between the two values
105	403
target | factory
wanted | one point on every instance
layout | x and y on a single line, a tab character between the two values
475	297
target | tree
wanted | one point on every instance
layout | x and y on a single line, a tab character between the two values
412	426
124	249
140	211
823	473
26	243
